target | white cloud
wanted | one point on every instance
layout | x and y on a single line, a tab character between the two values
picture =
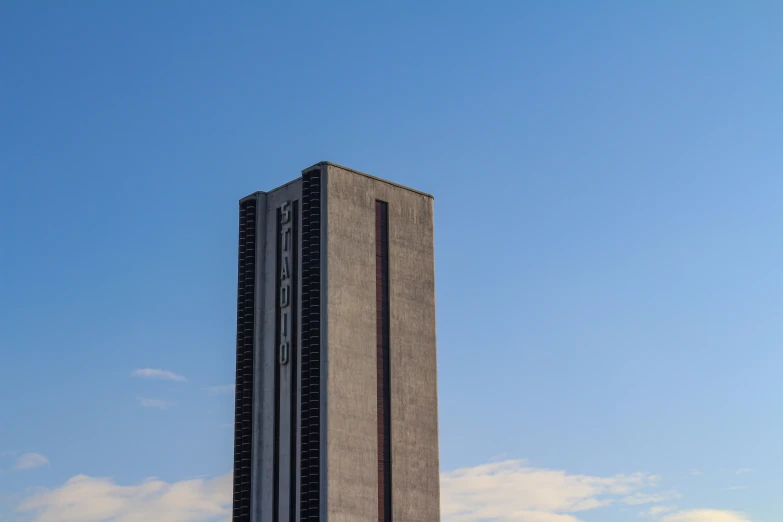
737	488
648	498
91	499
534	516
506	491
155	403
223	388
657	511
31	461
706	515
742	471
152	373
509	491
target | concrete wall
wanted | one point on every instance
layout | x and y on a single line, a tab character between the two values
266	359
350	459
351	433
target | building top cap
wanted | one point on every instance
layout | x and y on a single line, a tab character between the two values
330	164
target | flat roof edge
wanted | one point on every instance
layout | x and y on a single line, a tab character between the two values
376	178
267	192
252	196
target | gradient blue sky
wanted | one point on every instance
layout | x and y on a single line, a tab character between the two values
608	240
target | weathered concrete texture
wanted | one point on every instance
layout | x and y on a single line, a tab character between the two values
352	459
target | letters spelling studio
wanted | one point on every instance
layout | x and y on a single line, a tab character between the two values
285	282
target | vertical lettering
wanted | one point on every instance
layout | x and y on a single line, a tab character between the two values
285	338
284	303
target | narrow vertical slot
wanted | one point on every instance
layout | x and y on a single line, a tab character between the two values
382	357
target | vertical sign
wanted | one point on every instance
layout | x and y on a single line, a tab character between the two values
286	247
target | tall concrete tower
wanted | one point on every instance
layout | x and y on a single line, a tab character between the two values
336	396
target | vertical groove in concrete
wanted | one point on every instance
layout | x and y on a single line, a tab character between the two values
382	359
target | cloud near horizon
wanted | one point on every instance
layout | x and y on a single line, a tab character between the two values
506	491
510	491
657	511
31	461
93	499
706	515
153	373
156	403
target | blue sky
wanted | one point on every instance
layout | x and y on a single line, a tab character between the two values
608	218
